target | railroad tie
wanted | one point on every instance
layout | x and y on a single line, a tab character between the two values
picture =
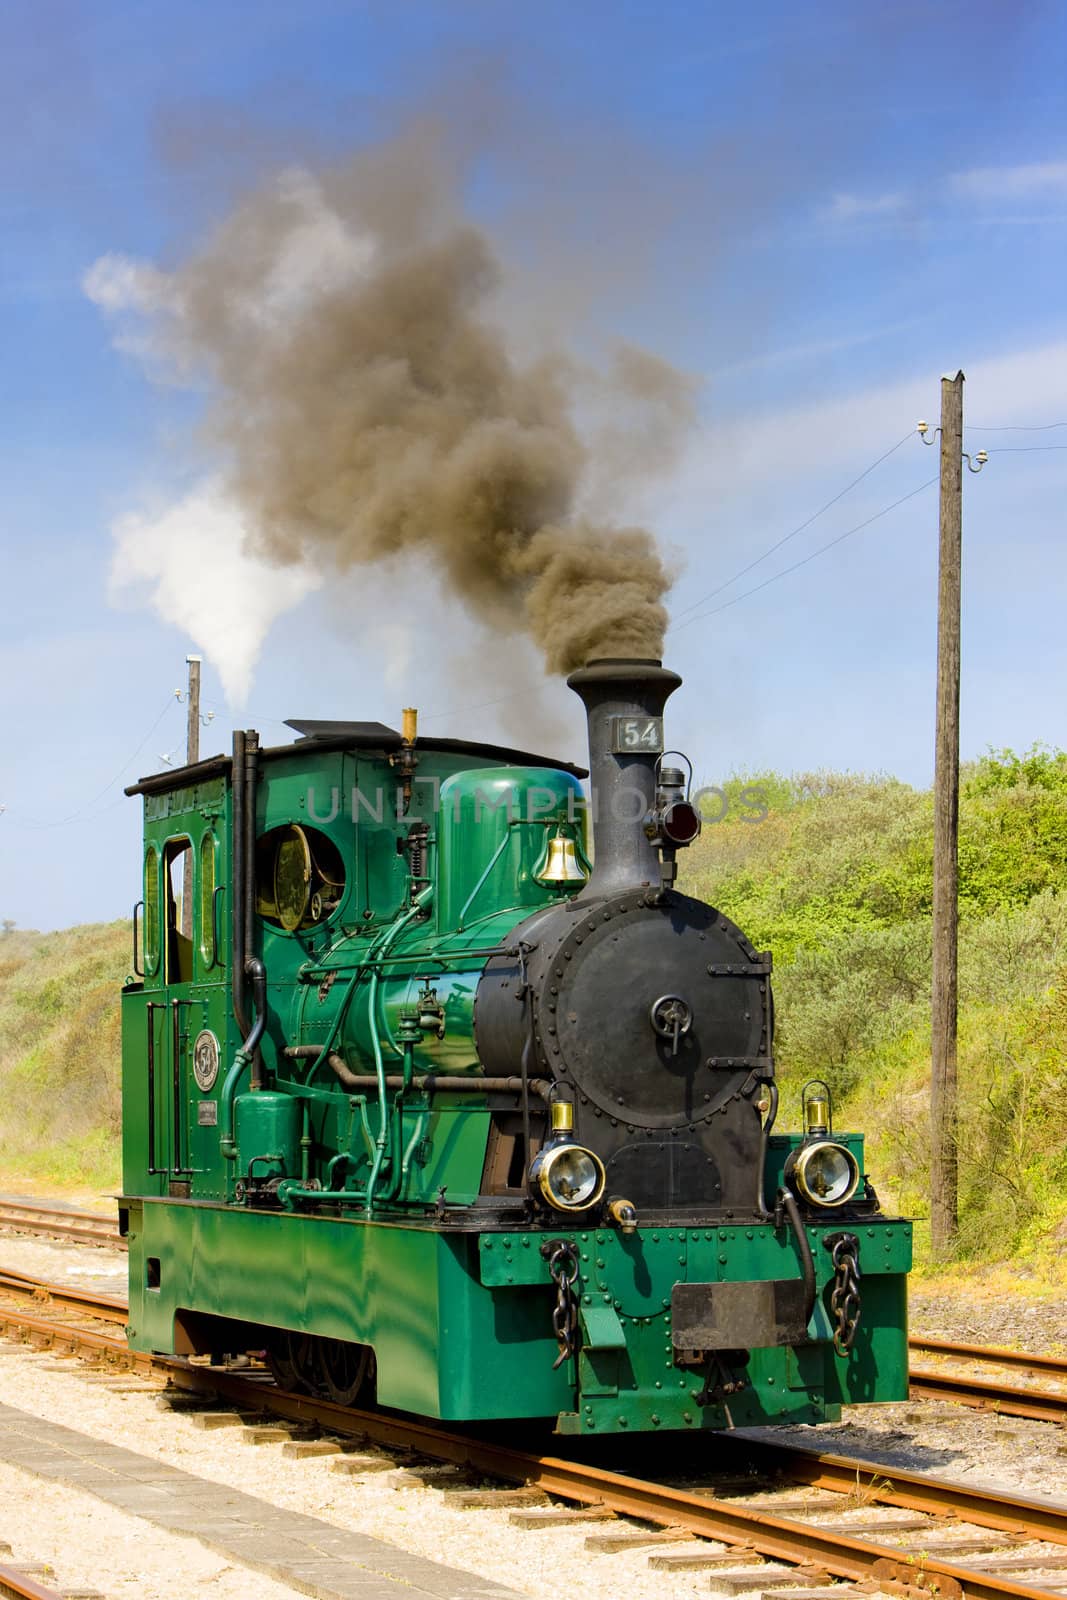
978	1544
561	1516
607	1544
833	1591
701	1557
356	1464
492	1499
767	1579
812	1503
428	1475
906	1522
306	1449
210	1420
1049	1563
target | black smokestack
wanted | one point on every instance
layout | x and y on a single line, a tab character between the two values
624	701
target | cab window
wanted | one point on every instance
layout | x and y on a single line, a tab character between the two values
151	911
208	950
178	922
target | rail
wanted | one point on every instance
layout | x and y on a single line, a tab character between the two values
990	1393
87	1227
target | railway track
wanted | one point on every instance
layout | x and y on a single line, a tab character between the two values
956	1540
21	1586
990	1393
60	1222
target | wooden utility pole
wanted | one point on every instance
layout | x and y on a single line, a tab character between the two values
192	753
192	733
944	1163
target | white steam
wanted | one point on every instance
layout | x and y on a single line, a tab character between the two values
191	560
190	563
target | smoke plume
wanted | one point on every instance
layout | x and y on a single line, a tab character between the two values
365	407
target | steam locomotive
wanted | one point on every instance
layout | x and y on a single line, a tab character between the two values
445	1107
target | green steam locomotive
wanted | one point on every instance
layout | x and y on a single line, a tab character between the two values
445	1106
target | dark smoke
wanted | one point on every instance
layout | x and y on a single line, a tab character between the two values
371	409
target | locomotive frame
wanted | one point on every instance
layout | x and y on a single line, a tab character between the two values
349	1053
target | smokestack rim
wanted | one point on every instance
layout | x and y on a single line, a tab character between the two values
621	670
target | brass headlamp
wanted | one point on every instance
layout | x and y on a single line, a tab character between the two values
823	1171
564	1174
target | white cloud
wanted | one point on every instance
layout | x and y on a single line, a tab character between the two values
1027	182
858	207
189	562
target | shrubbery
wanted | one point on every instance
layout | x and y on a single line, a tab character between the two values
60	1055
837	882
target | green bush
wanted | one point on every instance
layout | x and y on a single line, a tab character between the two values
60	1055
837	882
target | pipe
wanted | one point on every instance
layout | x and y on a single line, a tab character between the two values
237	873
422	899
765	1134
243	1058
430	1082
622	698
305	1143
497	853
251	961
409	1151
792	1211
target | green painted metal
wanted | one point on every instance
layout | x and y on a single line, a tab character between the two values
461	1323
268	1134
780	1147
460	1320
446	1345
342	983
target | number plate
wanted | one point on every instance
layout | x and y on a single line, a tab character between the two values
637	735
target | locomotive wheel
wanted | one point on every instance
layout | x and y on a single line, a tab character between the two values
348	1369
292	1359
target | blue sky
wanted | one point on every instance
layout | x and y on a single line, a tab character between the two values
814	210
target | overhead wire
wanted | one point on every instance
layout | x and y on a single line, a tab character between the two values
804	525
74	816
1014	427
1022	449
703	615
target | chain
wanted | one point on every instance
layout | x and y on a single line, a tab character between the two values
845	1295
563	1265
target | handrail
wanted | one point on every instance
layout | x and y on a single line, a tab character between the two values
138	906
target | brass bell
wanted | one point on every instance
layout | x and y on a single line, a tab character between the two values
560	864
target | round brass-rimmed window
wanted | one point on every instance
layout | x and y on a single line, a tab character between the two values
208	949
300	876
151	910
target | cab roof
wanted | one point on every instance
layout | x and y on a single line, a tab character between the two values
373	737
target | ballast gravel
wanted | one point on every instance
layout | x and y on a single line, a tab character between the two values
120	1556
